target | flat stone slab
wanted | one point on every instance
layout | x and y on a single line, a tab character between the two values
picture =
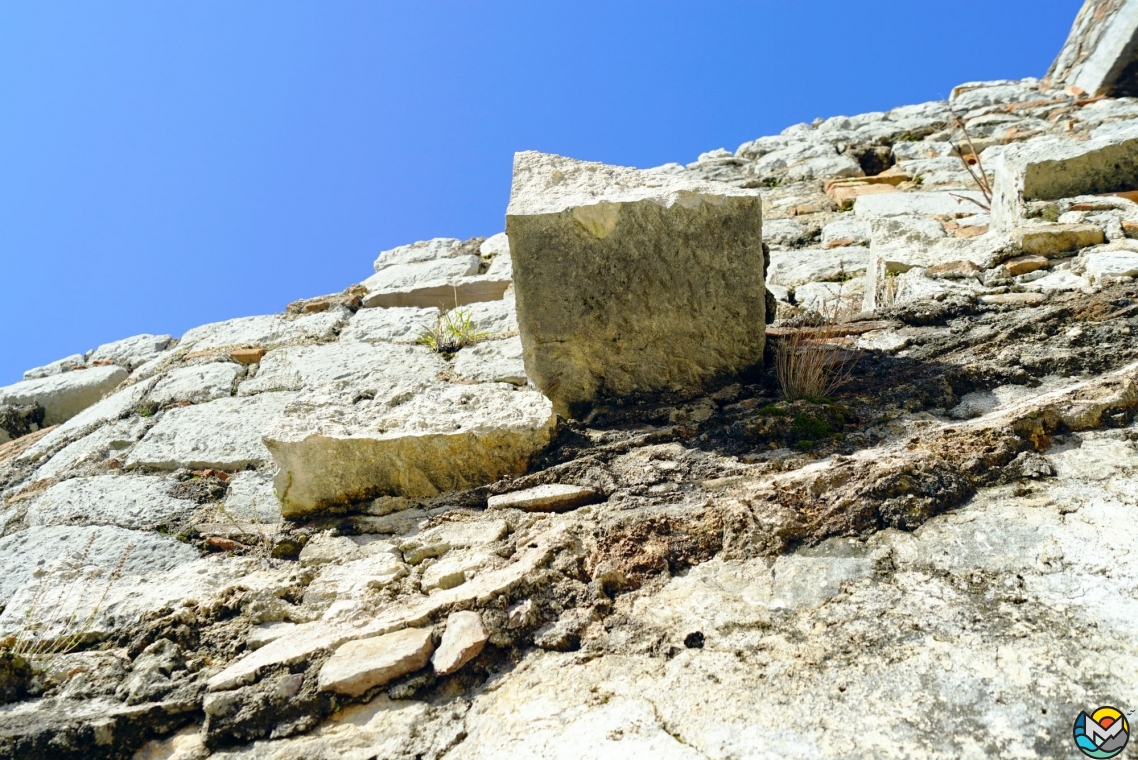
266	331
395	325
23	554
196	384
224	434
360	366
494	317
552	497
1099	49
126	501
361	665
492	361
105	441
926	203
250	498
1110	264
132	352
66	394
632	282
414	443
463	640
66	364
798	267
422	251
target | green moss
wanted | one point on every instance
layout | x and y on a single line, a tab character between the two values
807	427
804	445
773	410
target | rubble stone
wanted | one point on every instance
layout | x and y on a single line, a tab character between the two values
361	665
632	282
1024	264
463	640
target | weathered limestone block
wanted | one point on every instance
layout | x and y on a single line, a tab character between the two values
196	384
1024	264
267	331
1101	52
394	325
66	394
928	203
224	434
1046	170
631	282
1050	240
438	274
424	250
66	364
361	665
797	267
1102	267
130	353
129	502
415	443
495	317
492	361
362	366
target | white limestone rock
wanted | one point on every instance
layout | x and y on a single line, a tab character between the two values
66	364
831	297
925	203
394	325
422	251
492	361
1053	168
24	554
852	231
793	268
111	408
600	318
250	498
783	233
125	501
224	434
196	384
404	277
1107	265
109	440
353	579
131	353
494	317
66	394
266	331
414	443
360	366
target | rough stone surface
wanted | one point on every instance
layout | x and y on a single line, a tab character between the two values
196	384
394	325
1056	239
129	502
361	665
436	440
359	366
131	353
492	361
66	394
462	641
1099	55
224	434
632	282
265	331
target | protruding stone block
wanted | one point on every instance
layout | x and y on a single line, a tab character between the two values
1052	169
1100	56
632	283
1056	239
551	497
66	394
416	443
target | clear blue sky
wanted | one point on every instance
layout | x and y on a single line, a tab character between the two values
167	164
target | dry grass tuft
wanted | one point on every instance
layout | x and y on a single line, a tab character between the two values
813	362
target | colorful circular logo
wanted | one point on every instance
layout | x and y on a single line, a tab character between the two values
1104	733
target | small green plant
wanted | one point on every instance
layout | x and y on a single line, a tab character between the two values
772	182
148	409
53	624
452	331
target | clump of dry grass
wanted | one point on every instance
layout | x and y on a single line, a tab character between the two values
978	175
52	625
812	362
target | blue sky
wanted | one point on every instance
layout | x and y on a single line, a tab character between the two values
164	165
